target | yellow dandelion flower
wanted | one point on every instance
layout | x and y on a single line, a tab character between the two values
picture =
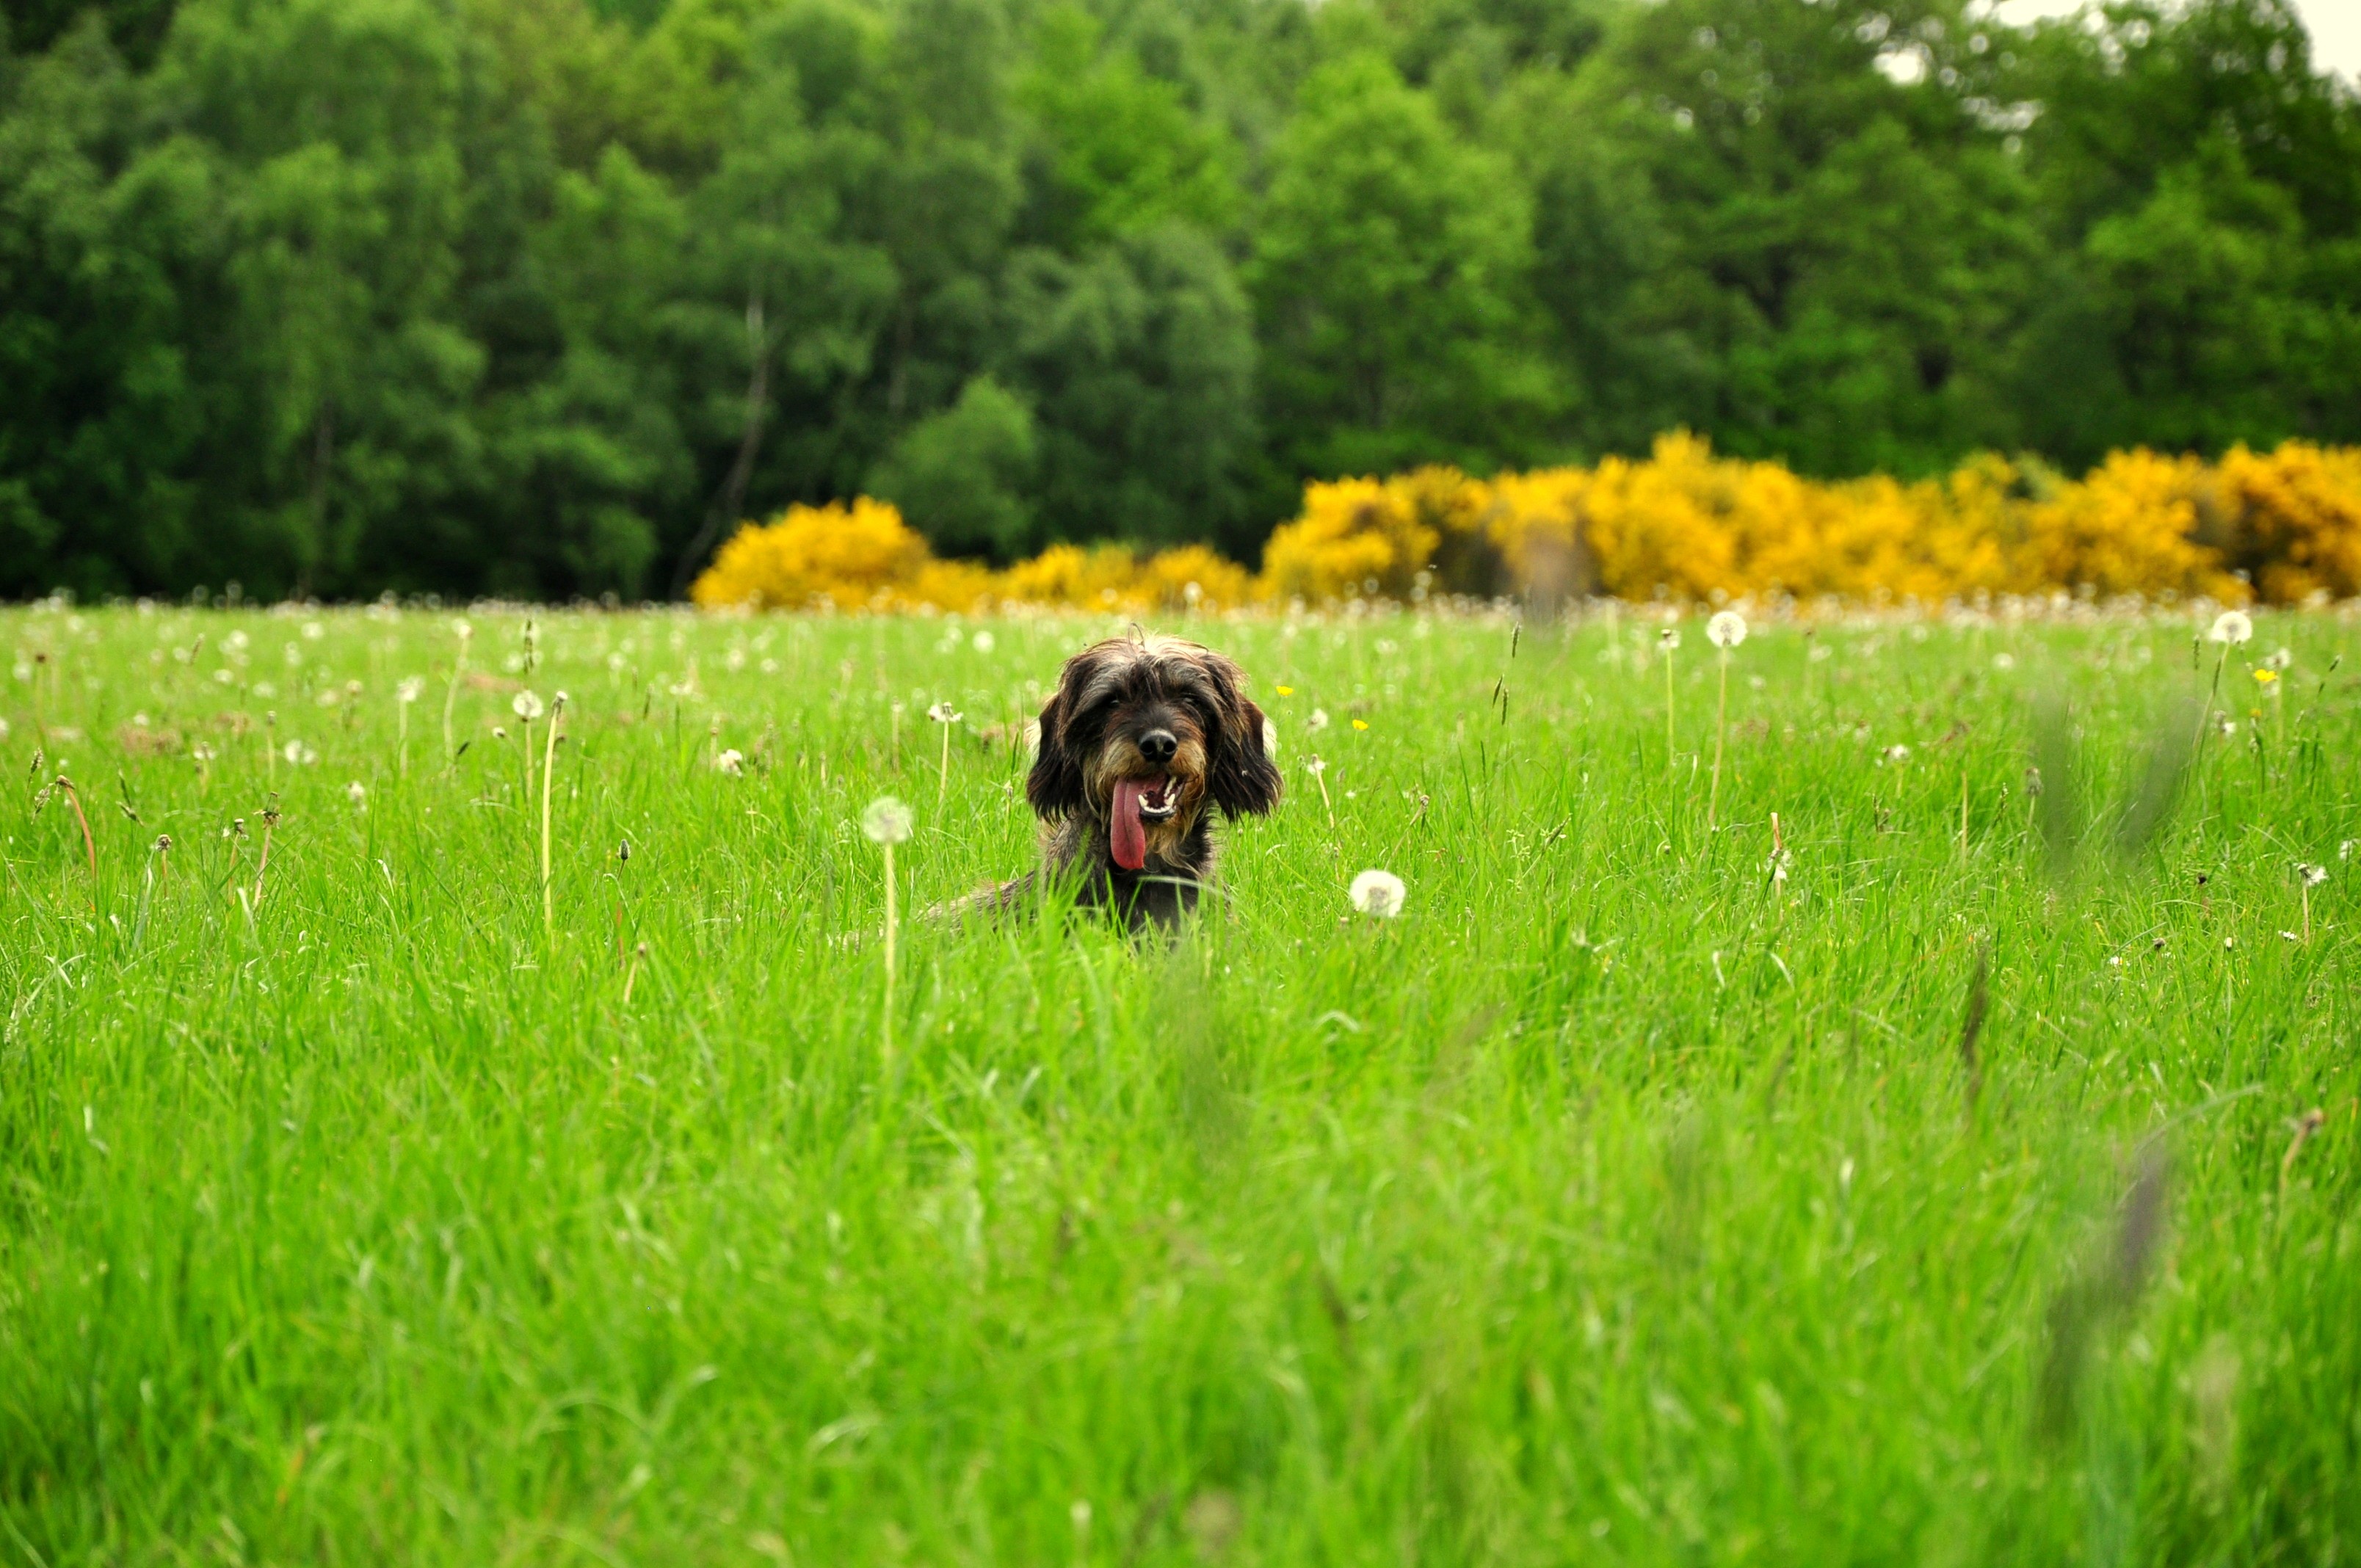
1360	724
2265	677
1285	691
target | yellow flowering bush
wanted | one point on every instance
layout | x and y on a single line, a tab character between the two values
1681	523
2131	527
863	557
1355	536
1164	580
845	555
2297	518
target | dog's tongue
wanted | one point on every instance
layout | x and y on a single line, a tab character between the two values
1128	835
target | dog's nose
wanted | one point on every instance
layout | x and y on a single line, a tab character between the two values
1158	745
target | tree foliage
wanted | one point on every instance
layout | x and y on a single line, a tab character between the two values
542	297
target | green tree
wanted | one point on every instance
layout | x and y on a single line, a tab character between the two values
1391	278
961	476
1833	225
1140	364
2202	187
1121	151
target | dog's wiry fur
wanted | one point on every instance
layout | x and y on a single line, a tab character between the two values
1116	702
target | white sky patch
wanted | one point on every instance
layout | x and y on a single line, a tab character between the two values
2334	26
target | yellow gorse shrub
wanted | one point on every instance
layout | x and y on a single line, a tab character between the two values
863	557
1681	524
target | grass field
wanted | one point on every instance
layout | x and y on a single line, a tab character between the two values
1630	1198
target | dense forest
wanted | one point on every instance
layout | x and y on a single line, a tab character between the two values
540	297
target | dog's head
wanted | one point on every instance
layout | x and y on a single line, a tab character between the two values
1140	734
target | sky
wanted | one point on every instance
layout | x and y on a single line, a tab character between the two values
2334	26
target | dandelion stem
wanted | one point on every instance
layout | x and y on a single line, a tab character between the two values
548	767
402	748
1964	811
887	1025
944	778
1720	724
451	703
2204	715
1672	753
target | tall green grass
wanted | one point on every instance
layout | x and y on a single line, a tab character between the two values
1622	1201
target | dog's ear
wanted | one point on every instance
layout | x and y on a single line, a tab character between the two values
1055	784
1240	774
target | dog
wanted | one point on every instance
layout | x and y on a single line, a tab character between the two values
1144	737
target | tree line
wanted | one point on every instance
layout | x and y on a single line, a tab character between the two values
542	297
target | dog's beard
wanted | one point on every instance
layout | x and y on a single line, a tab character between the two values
1134	807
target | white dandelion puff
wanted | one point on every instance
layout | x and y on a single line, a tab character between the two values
1726	630
411	689
944	713
2233	627
886	820
731	763
1377	894
358	793
526	705
1318	721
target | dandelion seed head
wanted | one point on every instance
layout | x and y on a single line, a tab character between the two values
358	793
944	713
526	705
1726	630
886	820
1896	754
981	642
2233	627
411	689
462	631
1669	638
1318	721
1377	894
732	762
1315	767
2311	875
2280	658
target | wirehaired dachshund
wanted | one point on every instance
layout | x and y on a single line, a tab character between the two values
1143	737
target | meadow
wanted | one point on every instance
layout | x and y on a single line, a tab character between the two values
1961	1169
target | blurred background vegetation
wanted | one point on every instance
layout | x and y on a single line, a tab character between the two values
541	297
